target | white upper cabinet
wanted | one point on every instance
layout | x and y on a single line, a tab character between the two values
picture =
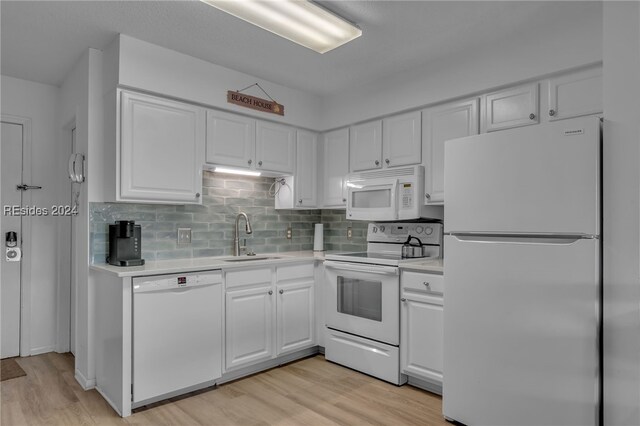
275	147
575	94
306	179
365	146
231	139
336	165
237	141
513	107
161	150
440	124
401	139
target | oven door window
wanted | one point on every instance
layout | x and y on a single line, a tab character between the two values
360	298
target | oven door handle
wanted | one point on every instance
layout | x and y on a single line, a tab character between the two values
358	267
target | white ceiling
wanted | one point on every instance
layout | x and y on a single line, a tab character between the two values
42	40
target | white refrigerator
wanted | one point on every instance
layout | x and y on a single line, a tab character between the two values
522	273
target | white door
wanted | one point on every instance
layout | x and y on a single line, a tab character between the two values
306	169
365	146
364	300
536	179
10	286
296	314
336	166
231	139
162	150
275	147
249	326
513	107
441	124
402	139
521	328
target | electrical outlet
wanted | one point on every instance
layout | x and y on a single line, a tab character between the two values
349	233
184	236
289	233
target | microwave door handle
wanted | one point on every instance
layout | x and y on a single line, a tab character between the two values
394	198
372	269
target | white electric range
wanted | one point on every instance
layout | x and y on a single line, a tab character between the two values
363	298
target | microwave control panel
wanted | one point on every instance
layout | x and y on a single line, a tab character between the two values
407	196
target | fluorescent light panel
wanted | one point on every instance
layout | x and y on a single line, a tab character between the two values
236	171
300	21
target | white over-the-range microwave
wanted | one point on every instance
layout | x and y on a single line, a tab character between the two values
389	194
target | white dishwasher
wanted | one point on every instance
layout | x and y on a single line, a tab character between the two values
177	334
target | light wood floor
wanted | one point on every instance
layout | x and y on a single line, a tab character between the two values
307	392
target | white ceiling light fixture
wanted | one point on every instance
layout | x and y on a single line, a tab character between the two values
300	21
236	171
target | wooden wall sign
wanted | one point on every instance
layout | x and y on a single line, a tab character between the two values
247	101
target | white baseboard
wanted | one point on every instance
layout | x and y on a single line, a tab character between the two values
84	382
42	350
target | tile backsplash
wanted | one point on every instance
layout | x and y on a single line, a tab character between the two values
212	223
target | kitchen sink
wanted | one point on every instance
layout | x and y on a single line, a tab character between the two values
248	258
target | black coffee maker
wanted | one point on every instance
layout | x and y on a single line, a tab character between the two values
125	244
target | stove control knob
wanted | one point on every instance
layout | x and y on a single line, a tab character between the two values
428	230
419	229
382	229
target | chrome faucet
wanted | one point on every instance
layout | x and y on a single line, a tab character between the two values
247	229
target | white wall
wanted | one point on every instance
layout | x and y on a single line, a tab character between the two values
157	69
38	102
80	99
523	56
621	233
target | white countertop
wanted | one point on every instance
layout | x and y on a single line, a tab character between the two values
177	266
431	265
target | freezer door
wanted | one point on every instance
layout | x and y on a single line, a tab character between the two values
521	323
536	179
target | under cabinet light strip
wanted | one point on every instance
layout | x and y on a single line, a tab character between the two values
300	21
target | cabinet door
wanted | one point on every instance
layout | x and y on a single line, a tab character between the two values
365	146
439	125
421	342
161	149
275	147
336	166
249	326
514	107
306	169
296	316
575	94
231	139
402	140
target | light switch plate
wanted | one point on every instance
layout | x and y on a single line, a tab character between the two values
184	236
289	233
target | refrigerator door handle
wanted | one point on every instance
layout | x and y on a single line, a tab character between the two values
520	238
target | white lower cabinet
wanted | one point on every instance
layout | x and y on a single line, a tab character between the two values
249	326
421	325
269	312
295	316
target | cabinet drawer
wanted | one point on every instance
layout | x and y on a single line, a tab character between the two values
429	283
294	272
248	277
